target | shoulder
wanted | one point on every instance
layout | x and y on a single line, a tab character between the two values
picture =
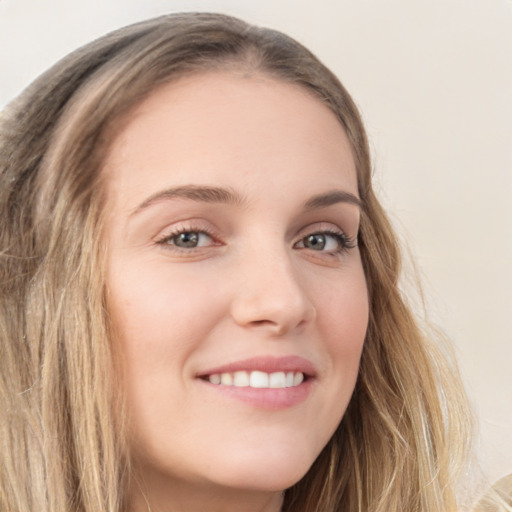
498	498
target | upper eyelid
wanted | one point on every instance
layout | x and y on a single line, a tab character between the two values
202	225
321	227
181	226
348	241
169	236
341	235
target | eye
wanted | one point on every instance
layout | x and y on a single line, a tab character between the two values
326	241
187	239
318	242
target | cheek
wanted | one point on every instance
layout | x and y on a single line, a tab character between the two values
343	318
344	309
153	306
160	318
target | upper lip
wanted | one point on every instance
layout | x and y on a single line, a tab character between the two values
267	364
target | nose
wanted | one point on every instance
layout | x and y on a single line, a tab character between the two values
271	297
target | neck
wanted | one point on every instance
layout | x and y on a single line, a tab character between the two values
181	497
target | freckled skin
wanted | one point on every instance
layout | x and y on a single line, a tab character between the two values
251	283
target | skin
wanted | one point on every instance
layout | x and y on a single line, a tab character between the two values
254	286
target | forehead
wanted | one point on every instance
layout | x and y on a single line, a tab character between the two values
228	127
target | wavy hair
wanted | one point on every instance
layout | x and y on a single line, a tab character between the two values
405	434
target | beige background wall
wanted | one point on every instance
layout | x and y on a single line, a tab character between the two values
434	81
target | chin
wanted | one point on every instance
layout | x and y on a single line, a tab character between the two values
272	473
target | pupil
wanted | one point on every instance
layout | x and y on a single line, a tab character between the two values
315	242
187	239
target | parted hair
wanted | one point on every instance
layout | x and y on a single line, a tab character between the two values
63	446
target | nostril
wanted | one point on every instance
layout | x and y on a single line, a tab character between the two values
271	326
261	322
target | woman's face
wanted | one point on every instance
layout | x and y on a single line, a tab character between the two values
235	282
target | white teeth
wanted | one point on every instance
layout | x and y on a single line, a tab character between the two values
226	379
240	379
258	379
298	378
215	378
277	380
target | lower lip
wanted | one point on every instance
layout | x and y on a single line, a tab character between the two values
266	398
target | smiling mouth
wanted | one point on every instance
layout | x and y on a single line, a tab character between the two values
257	379
264	382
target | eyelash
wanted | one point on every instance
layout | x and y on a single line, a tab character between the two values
168	238
345	243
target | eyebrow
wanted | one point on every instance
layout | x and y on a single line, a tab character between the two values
330	198
210	194
205	194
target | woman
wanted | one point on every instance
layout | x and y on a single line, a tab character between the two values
189	218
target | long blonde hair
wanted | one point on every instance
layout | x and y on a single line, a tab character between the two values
405	434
